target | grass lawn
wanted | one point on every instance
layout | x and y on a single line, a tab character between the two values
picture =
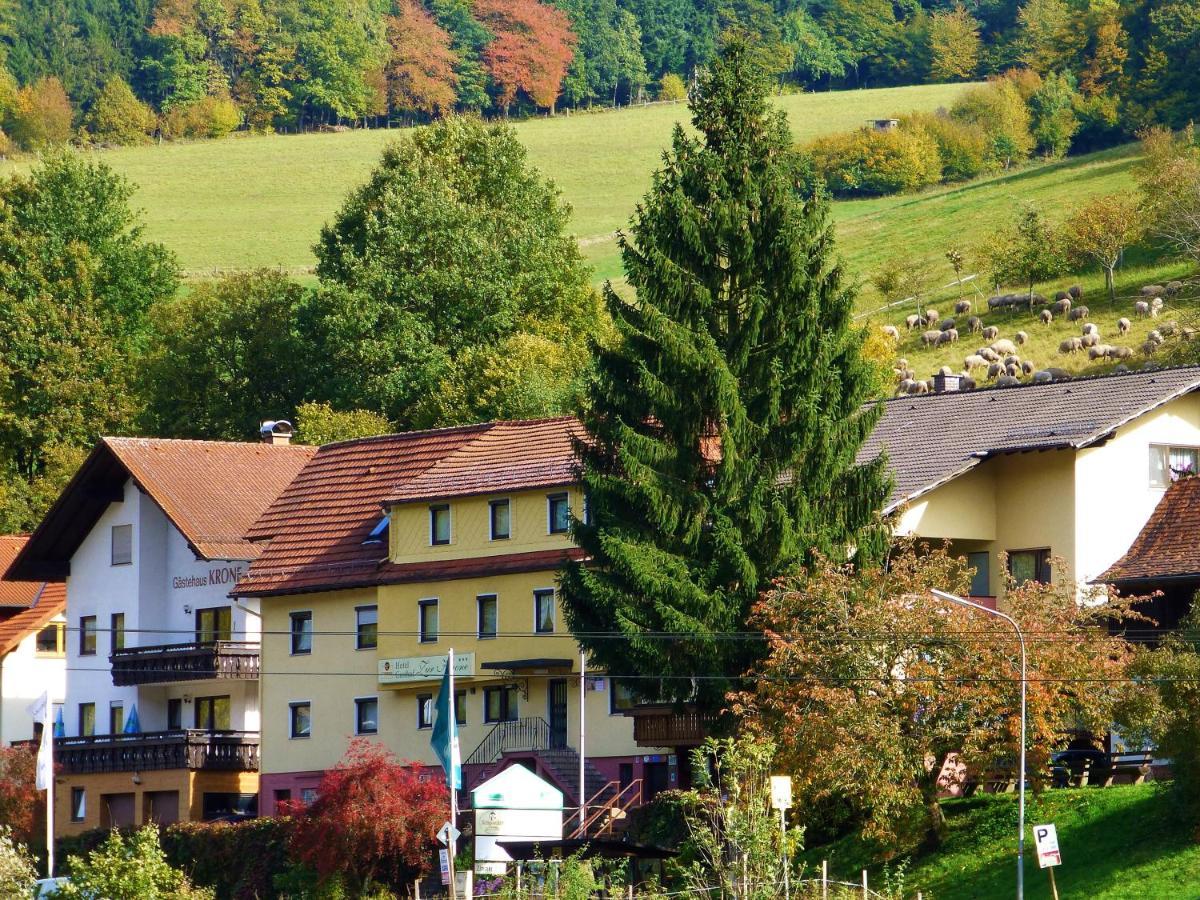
1117	843
250	201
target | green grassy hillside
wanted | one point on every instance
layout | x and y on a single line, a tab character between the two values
252	201
1118	843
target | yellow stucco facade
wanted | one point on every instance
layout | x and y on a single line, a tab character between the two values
1085	506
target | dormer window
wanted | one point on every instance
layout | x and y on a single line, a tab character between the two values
379	534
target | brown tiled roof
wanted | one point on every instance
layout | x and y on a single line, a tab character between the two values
1168	545
51	601
212	491
506	456
15	594
933	438
317	526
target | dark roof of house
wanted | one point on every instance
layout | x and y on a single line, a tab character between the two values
1168	546
212	491
933	438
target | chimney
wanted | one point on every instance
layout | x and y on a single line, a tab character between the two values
945	384
279	432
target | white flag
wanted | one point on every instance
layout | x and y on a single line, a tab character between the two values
40	709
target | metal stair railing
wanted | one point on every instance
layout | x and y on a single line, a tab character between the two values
532	733
615	807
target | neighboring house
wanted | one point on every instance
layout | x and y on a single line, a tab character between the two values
387	552
161	707
1163	562
32	648
1069	469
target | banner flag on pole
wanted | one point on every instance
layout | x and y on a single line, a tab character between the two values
40	710
444	739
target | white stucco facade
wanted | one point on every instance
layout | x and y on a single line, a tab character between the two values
159	593
24	675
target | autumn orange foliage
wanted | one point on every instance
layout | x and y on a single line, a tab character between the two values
420	70
532	48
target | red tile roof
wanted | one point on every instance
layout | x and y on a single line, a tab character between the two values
318	526
51	601
507	456
1168	545
212	491
15	594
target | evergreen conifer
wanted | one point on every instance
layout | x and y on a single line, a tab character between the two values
724	423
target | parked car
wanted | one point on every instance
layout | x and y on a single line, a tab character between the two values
1068	765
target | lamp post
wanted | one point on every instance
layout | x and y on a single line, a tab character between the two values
963	601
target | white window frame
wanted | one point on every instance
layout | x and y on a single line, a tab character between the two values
1156	448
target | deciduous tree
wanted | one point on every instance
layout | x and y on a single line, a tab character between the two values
119	117
43	115
19	799
1169	178
954	44
871	683
373	820
531	49
320	423
1026	250
421	67
1102	229
723	421
1051	38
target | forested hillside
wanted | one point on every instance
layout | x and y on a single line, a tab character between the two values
126	69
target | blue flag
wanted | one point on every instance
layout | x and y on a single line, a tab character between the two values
444	739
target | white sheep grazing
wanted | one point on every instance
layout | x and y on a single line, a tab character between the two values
1100	351
931	316
1123	326
919	387
1089	340
974	361
1148	347
962	306
1007	381
1155	336
931	338
994	371
1119	352
1141	309
892	332
1012	360
1168	328
1012	371
1079	312
1046	316
949	336
1061	306
945	371
1156	306
1042	377
991	333
903	387
1070	345
989	354
1004	345
912	321
974	324
1091	328
1027	367
1021	337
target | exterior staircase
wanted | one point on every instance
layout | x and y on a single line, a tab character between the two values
532	739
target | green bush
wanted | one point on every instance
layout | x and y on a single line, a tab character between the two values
998	110
129	867
17	874
208	117
672	87
962	147
1052	114
118	117
870	162
214	854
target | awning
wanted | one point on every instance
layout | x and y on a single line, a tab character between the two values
524	665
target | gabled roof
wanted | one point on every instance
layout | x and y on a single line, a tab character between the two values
15	594
1168	546
319	527
212	491
933	438
505	456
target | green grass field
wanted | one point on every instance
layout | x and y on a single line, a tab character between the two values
250	201
1117	843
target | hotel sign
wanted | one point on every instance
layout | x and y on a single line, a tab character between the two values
424	668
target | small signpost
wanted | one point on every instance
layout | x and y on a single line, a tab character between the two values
448	834
781	799
1045	838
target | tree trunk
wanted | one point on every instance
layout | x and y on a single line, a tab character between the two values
1110	284
935	819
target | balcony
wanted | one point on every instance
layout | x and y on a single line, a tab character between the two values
195	661
221	751
659	727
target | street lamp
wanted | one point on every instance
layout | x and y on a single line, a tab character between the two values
963	601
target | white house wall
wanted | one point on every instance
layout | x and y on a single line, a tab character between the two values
24	676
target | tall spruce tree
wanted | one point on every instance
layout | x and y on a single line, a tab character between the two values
723	424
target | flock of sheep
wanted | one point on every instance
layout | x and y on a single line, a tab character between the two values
999	363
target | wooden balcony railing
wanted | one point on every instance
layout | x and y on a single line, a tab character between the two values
195	661
227	751
670	728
